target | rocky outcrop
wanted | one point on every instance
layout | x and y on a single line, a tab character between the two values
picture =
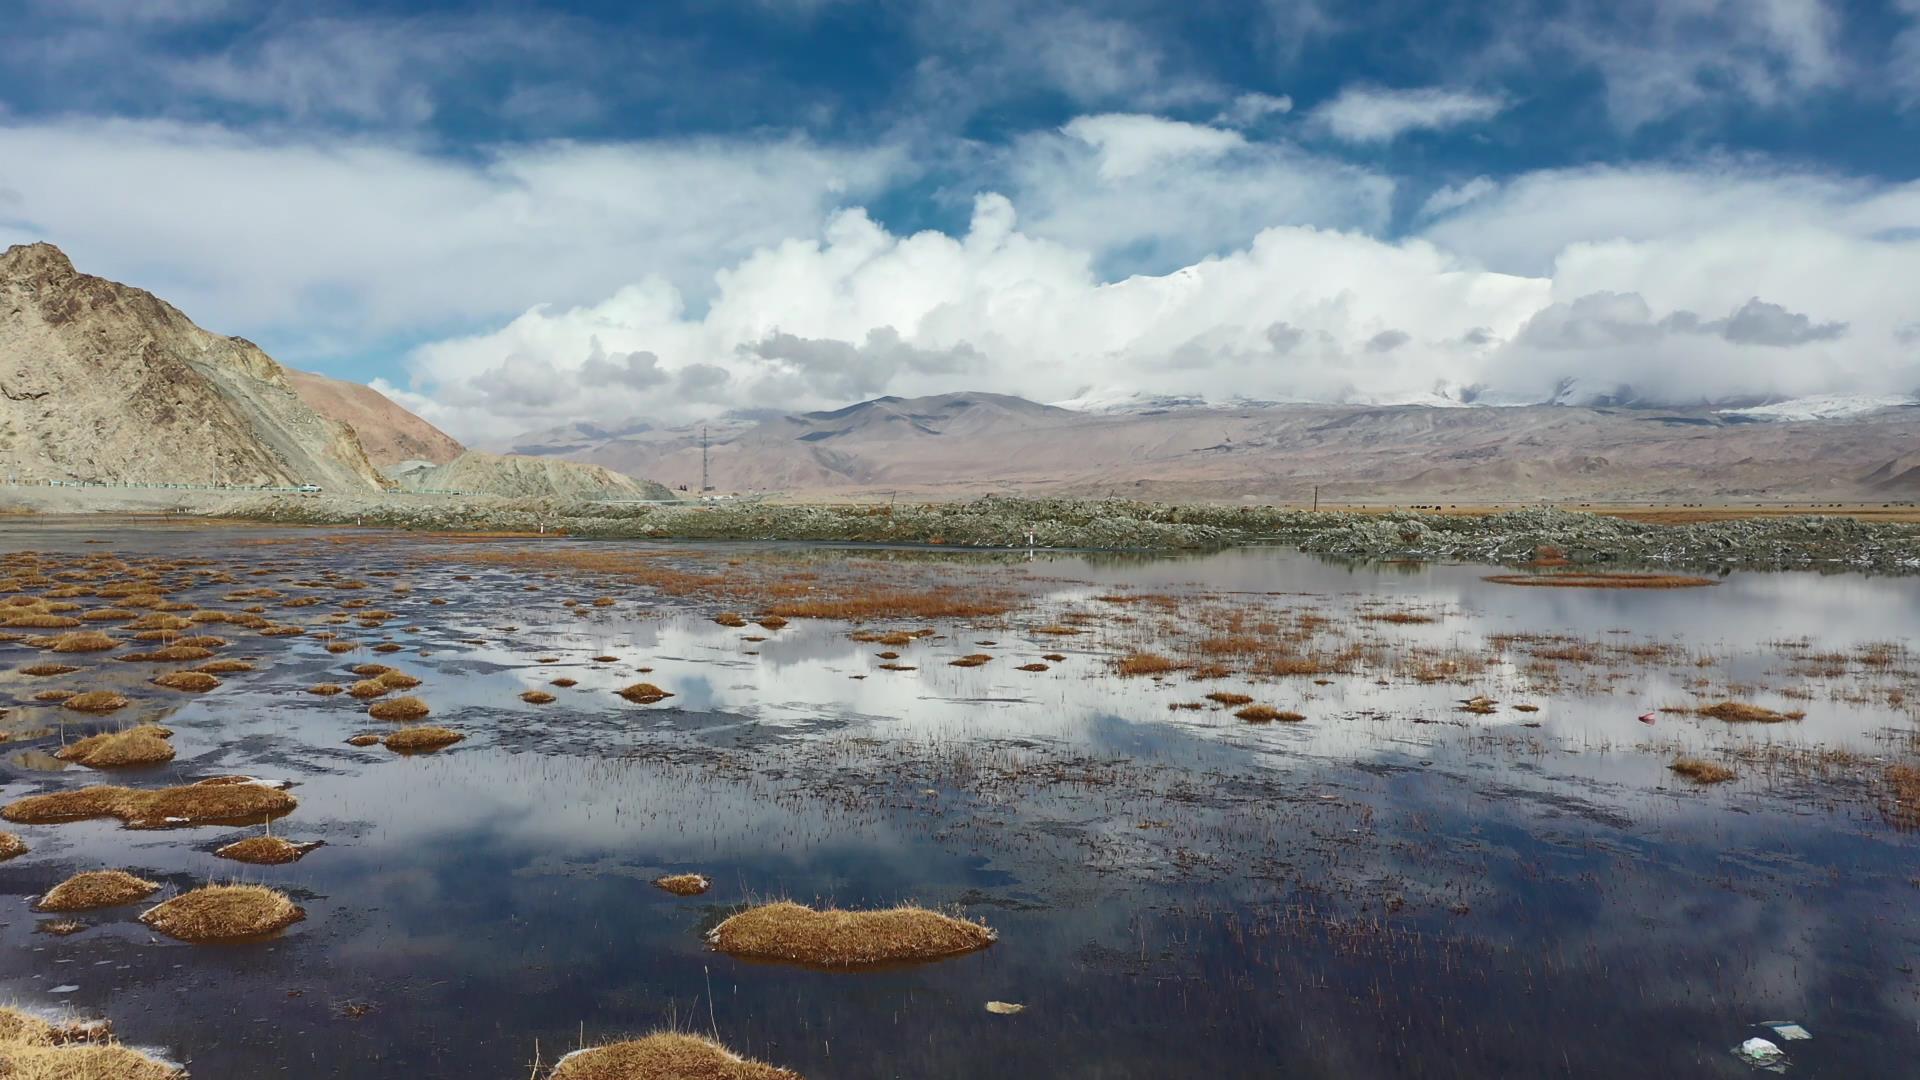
387	431
103	382
528	478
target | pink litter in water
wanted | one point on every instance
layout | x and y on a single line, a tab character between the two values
1646	718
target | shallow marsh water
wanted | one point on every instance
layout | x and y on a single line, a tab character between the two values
1392	887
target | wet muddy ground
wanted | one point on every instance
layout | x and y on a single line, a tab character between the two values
1469	857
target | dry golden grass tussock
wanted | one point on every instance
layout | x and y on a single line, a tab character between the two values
325	689
197	682
1031	667
684	884
536	697
225	667
143	745
664	1056
400	709
1267	714
1221	697
1740	712
96	701
11	846
365	738
108	614
1902	803
236	799
730	618
834	938
563	682
643	693
1702	771
970	660
368	671
224	913
1146	663
265	850
53	697
415	740
33	1049
96	889
396	680
894	604
41	621
83	641
172	654
49	668
367	689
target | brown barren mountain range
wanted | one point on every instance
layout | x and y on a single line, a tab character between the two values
104	382
961	444
389	433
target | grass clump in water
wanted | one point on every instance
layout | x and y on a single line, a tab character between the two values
833	938
415	740
33	1049
536	697
143	745
225	667
85	641
224	913
11	846
96	701
644	693
48	668
401	709
1702	771
684	884
265	850
1145	663
96	889
325	689
1267	714
236	799
664	1056
1740	712
196	682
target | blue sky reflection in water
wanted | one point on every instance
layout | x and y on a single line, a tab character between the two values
1392	887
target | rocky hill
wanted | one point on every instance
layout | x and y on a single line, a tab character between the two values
103	382
527	477
387	431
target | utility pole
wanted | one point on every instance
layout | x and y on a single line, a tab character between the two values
704	486
1316	498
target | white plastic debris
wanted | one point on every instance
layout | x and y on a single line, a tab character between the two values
1762	1054
1787	1030
1004	1008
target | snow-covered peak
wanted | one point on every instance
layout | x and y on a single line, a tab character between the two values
1824	407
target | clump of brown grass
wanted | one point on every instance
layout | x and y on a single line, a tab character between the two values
1053	656
265	850
368	671
1902	804
1740	712
396	680
1224	698
1146	663
365	738
835	938
1057	630
83	641
172	654
684	884
1702	771
11	846
536	697
876	604
96	701
325	689
42	621
192	681
53	697
1399	618
1604	581
158	620
108	614
1267	714
43	670
664	1056
1032	667
563	682
225	667
96	889
338	647
143	745
367	689
415	740
730	618
387	647
643	693
970	660
401	709
33	1049
236	799
224	913
772	622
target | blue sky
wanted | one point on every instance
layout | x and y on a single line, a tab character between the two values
514	215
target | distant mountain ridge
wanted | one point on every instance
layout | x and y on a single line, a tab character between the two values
966	443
